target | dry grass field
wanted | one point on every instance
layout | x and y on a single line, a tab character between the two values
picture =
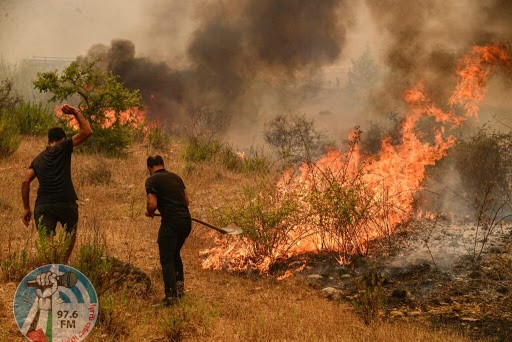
219	306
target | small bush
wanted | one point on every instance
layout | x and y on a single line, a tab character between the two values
370	298
100	173
9	98
173	326
10	138
371	139
15	266
110	142
267	221
33	118
205	123
255	162
187	317
112	313
230	159
294	137
484	159
51	250
157	139
477	169
197	150
94	264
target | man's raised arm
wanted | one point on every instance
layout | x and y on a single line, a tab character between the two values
85	128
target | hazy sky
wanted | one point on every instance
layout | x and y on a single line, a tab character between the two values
67	28
411	41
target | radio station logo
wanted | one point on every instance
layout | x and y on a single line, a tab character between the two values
55	303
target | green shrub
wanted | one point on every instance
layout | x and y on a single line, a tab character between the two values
256	163
103	100
110	142
99	173
33	118
51	250
173	326
190	317
267	221
197	150
10	138
230	159
158	139
15	266
112	314
94	264
370	298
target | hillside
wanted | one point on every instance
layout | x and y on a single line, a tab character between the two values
219	306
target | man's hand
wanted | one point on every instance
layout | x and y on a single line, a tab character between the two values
151	205
70	110
27	216
85	128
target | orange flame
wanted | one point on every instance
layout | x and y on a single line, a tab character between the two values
387	181
132	117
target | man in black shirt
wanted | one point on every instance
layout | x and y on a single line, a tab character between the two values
56	196
166	192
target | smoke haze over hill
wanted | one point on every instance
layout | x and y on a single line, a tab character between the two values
254	59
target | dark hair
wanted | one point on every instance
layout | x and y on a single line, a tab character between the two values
155	160
56	134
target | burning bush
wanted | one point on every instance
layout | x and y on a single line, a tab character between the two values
269	221
344	199
326	206
112	110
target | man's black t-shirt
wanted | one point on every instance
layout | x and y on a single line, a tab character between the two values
53	170
170	195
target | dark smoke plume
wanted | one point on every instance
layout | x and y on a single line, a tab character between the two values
427	38
238	46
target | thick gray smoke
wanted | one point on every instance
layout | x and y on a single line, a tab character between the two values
238	49
426	39
255	59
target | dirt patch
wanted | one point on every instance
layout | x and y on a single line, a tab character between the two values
451	290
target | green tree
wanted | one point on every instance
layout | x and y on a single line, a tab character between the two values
10	138
97	92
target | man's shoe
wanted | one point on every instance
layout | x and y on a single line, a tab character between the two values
167	301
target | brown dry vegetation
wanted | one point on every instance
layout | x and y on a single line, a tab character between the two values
219	306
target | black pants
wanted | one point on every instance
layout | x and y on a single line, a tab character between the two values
47	215
171	238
